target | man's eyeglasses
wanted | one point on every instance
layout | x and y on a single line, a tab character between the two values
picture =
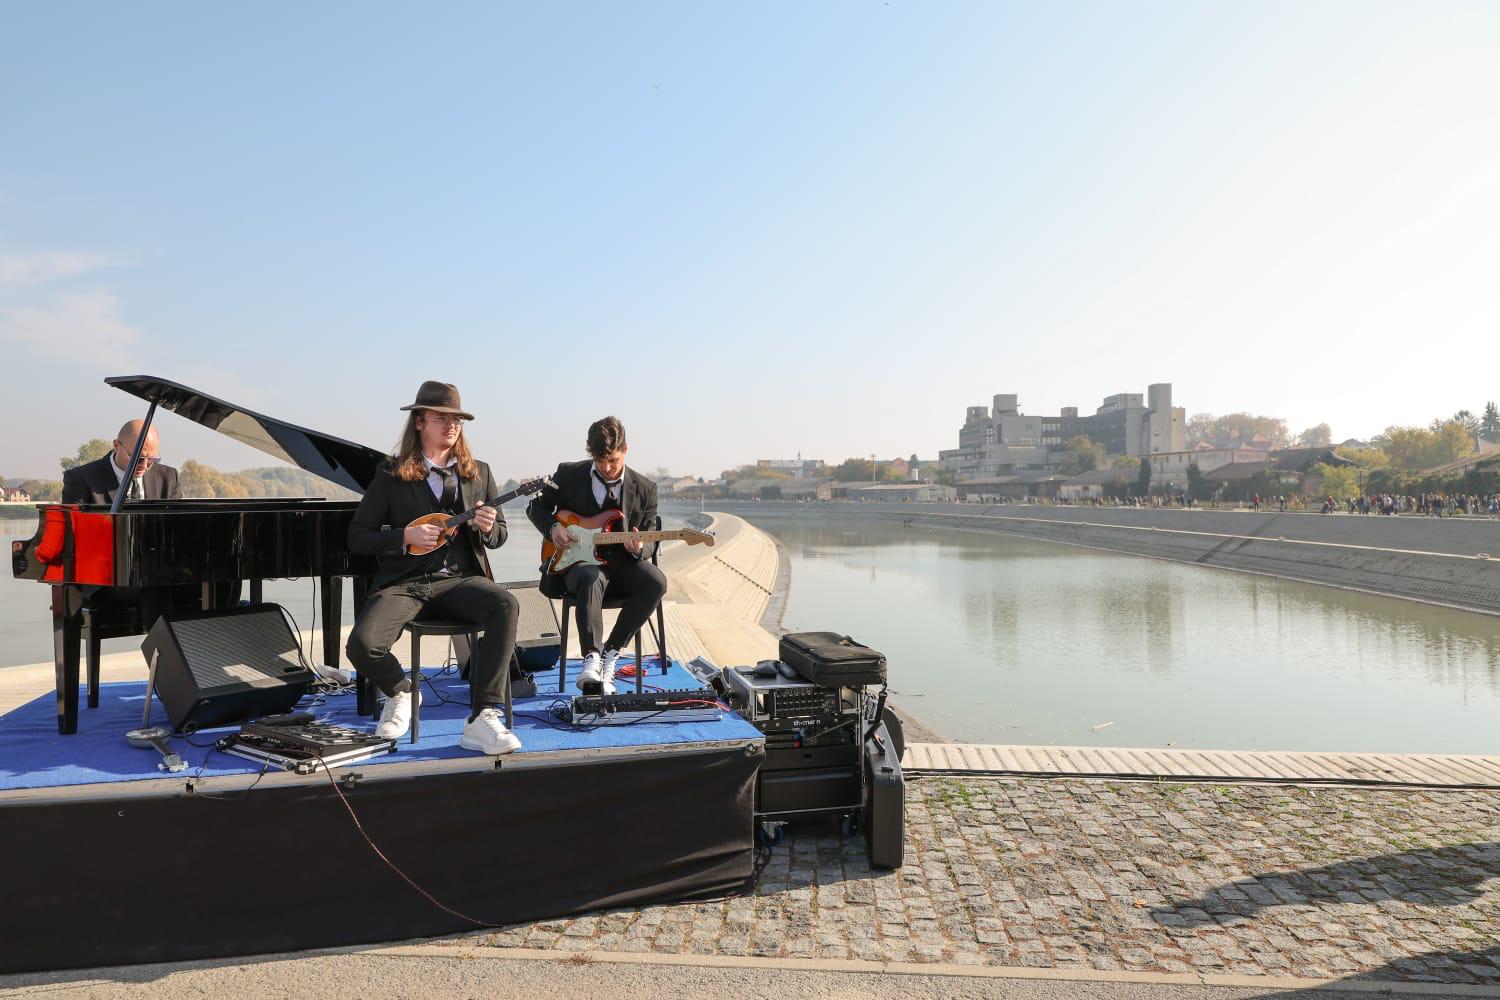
145	461
444	418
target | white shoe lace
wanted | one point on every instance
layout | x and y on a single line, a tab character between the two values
393	704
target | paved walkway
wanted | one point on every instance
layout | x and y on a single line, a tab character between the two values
1092	875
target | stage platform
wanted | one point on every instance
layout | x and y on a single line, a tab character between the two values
115	862
34	758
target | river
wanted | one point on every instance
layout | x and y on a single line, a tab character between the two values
997	639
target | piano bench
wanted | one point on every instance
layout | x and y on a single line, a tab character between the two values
97	624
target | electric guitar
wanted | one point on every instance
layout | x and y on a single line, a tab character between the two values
450	523
586	534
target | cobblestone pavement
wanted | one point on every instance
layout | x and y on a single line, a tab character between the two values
1228	879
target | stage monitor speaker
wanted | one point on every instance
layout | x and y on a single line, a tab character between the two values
225	666
534	656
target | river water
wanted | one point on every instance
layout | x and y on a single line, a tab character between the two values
998	639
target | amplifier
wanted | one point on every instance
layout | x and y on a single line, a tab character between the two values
776	703
225	666
812	743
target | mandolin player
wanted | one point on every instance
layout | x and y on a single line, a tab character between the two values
434	472
603	482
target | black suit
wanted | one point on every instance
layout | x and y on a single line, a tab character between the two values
410	585
624	577
390	504
97	482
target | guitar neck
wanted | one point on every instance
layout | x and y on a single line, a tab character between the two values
468	515
619	537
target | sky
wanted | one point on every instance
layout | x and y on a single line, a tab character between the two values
751	230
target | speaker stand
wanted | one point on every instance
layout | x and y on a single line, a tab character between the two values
150	689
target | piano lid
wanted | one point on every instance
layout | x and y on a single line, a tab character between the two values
350	465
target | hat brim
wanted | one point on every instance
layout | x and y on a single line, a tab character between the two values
440	409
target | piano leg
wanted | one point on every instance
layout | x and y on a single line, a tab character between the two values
91	641
255	591
332	593
66	635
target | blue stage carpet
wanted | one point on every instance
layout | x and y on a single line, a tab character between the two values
33	755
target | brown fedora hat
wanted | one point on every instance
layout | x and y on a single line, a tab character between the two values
439	396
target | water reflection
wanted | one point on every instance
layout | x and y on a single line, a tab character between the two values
1000	639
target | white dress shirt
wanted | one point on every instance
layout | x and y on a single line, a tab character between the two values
120	478
435	481
600	493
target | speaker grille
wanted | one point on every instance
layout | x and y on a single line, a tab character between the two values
255	649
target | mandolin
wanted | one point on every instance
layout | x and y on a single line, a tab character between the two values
587	533
450	523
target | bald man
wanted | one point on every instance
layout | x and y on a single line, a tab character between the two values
97	481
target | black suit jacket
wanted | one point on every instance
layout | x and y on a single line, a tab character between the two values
575	492
95	482
390	504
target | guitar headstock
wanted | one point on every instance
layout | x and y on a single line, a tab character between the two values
695	537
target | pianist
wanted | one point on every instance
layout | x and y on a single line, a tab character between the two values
434	471
99	480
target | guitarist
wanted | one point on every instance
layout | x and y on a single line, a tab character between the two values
434	471
586	488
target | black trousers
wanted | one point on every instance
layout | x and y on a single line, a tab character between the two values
636	582
476	599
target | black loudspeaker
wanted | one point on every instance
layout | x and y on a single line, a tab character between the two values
225	666
536	655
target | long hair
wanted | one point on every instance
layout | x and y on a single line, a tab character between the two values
407	464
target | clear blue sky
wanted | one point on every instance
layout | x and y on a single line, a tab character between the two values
748	230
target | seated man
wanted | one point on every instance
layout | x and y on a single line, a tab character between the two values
99	480
434	471
588	488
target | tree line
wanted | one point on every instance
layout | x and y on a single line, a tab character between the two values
203	481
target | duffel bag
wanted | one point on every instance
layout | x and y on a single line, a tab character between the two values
831	659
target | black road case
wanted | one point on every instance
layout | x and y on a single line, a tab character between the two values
885	802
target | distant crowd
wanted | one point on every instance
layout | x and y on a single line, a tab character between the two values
1425	504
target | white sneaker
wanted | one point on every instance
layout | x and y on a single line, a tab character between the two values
588	678
395	717
607	670
487	734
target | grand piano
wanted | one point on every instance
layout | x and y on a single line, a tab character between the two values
83	551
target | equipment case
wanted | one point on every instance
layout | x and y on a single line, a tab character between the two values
832	660
885	801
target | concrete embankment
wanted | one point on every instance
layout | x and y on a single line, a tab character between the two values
722	592
1451	562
